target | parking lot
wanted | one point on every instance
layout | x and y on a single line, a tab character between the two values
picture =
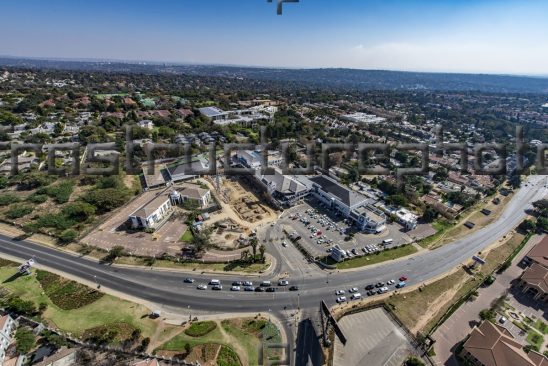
320	228
373	339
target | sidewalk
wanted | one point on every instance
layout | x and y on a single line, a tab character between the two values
461	323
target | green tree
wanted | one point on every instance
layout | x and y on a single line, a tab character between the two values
25	340
253	242
262	251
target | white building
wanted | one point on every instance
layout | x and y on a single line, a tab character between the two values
406	218
348	203
360	117
337	253
152	214
146	123
284	190
7	327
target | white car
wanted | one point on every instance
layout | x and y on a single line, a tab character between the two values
356	296
202	287
340	292
248	283
382	290
341	299
353	290
284	244
283	283
235	288
391	282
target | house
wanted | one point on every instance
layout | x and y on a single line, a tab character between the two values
63	357
406	218
153	214
534	280
148	362
146	123
493	345
7	328
192	193
214	113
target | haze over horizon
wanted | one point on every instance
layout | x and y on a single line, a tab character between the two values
484	36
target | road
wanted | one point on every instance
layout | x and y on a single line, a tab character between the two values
167	288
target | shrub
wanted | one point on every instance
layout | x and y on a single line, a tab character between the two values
66	294
227	357
60	192
106	200
8	199
80	211
20	306
68	236
18	211
37	198
200	329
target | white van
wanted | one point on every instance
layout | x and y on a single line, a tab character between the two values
387	241
266	284
214	282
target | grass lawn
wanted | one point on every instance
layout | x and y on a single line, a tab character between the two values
541	326
377	258
241	335
106	310
436	298
535	339
211	267
187	236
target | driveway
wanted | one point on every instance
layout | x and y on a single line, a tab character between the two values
461	323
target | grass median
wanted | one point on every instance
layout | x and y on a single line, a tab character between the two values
379	257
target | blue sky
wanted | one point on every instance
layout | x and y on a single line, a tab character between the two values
493	36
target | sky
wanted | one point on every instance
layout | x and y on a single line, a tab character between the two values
478	36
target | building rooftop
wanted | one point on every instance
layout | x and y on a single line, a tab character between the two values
494	345
148	208
211	112
536	275
539	253
345	195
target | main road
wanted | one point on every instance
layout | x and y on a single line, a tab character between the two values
167	288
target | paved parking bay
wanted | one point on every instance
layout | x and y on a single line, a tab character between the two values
373	339
330	225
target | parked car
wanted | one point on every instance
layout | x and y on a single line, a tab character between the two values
294	288
379	284
401	284
356	296
249	288
403	278
271	289
202	287
266	283
370	293
217	287
341	299
236	283
339	292
382	290
189	280
283	283
235	288
391	282
259	289
369	287
248	283
353	289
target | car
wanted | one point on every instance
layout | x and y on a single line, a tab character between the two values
271	289
283	283
236	283
217	287
189	280
353	290
370	293
284	244
248	283
266	283
214	282
356	296
401	284
369	287
502	320
403	278
249	288
379	284
202	287
340	292
259	289
391	282
341	299
382	290
294	288
235	288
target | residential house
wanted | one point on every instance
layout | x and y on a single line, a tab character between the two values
63	357
534	280
493	345
153	214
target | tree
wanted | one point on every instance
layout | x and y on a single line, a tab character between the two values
20	306
25	340
68	236
527	225
244	255
187	348
262	250
429	214
487	314
253	242
413	361
201	240
106	200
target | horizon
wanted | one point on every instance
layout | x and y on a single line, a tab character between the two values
447	36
